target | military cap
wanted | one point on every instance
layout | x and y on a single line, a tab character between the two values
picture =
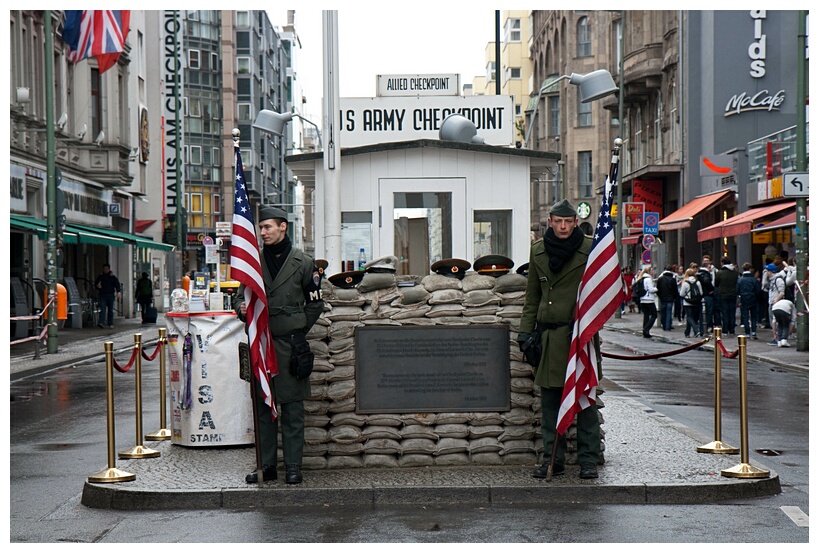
271	212
563	209
493	265
321	265
451	267
384	264
347	279
523	270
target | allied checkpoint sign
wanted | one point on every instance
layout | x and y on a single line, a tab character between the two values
368	121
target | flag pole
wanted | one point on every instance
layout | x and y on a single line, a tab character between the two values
612	180
242	351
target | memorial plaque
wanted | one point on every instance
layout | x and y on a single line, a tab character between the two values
432	369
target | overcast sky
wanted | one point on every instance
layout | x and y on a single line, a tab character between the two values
390	38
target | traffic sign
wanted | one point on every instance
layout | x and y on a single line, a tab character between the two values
651	223
795	185
648	240
647	257
207	241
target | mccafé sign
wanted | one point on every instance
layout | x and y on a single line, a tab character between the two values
764	100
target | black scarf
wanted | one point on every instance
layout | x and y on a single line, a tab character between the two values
559	250
275	255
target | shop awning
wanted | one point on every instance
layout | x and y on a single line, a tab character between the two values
741	223
787	221
682	217
23	222
138	241
631	239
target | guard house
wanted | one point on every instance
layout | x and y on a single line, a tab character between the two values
413	190
428	199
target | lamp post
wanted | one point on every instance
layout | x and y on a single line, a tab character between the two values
272	122
592	86
618	223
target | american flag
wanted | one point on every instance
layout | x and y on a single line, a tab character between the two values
245	266
96	33
598	297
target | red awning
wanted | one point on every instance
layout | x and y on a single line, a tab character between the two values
682	217
631	239
142	224
787	221
742	223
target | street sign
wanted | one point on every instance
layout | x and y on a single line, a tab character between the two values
651	223
207	241
795	185
648	240
647	257
211	253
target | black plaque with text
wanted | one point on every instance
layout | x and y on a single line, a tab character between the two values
412	369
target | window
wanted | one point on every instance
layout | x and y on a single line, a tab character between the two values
196	202
217	203
247	157
583	37
243	65
193	59
512	73
518	110
639	151
96	103
658	131
214	61
584	113
217	157
618	30
584	174
243	111
194	107
554	115
673	116
423	229
511	31
243	19
492	233
196	155
490	71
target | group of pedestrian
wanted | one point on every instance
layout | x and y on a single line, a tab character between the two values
708	297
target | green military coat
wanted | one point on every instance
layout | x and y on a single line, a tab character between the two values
294	304
552	298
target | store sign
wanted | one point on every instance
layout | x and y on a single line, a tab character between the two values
17	196
366	121
86	204
418	85
634	215
172	70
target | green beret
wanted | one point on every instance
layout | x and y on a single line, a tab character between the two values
271	212
563	209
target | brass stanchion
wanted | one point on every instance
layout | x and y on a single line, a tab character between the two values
717	446
163	433
138	451
112	473
743	469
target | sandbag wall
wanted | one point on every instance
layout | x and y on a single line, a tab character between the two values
337	437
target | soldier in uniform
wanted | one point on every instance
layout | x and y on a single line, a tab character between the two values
292	283
556	265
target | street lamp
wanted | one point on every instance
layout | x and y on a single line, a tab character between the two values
592	86
457	128
272	122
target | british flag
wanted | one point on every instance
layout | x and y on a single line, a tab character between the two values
96	33
246	267
598	297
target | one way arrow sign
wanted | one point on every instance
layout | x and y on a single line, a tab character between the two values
795	185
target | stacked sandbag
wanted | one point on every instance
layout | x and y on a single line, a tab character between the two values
337	437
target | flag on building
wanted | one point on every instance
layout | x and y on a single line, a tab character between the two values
245	267
96	33
598	297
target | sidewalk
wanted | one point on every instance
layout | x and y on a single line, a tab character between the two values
636	471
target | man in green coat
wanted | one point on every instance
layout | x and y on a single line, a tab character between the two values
292	283
556	265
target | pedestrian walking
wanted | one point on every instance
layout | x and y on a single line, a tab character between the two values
705	276
647	302
292	283
556	265
109	290
679	276
143	294
668	295
725	284
748	290
776	292
691	294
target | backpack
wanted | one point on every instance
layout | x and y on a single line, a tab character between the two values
639	290
705	281
694	296
144	287
790	291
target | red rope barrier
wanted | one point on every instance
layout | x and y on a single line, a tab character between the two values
32	338
128	365
725	351
154	354
654	355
